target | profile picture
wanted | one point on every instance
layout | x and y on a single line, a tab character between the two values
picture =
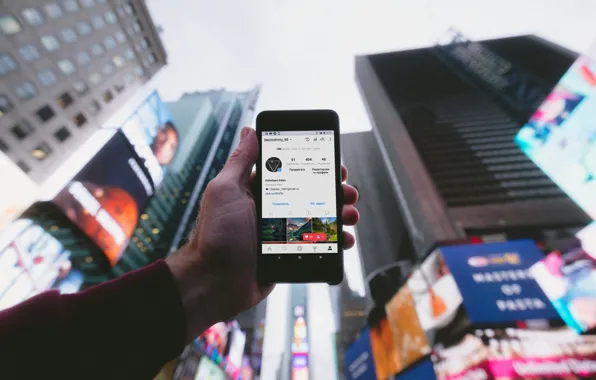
273	164
165	144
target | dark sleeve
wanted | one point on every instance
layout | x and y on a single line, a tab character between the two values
126	328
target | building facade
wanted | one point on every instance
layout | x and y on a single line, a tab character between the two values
66	66
444	119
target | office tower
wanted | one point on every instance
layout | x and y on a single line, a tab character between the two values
66	66
444	119
206	125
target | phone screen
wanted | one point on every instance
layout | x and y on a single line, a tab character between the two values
299	197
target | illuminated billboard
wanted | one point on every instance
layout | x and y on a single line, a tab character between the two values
32	261
561	135
151	131
105	198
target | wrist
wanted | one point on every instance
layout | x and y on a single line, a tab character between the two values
196	293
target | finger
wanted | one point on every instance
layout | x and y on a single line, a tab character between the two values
349	240
350	194
350	215
265	290
239	166
344	173
252	179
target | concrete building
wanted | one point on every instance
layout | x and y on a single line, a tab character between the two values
444	119
65	67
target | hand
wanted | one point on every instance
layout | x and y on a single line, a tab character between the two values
216	270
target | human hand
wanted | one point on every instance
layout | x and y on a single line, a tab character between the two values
216	270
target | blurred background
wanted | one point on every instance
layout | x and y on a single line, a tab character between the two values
467	126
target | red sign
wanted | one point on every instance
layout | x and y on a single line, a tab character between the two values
311	236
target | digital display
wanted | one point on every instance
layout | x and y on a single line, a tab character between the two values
299	211
105	198
568	278
32	262
152	133
359	359
561	135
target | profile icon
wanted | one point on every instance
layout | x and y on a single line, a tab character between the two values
273	164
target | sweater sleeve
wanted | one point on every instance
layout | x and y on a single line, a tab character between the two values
127	328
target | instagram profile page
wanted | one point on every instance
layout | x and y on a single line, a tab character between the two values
298	193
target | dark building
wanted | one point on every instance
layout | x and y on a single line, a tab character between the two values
444	118
66	67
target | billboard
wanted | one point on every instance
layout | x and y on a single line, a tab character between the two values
21	193
105	198
568	278
33	261
561	135
208	370
359	359
151	131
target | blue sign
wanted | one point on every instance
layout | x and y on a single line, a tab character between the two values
359	359
422	370
495	283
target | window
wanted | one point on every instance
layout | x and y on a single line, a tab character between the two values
46	77
110	17
22	130
109	42
139	71
66	66
32	16
83	28
25	91
3	146
80	87
95	78
68	35
129	54
65	100
137	27
119	88
98	23
96	50
83	58
121	12
129	9
50	43
120	37
62	134
145	43
94	107
79	120
87	3
118	61
5	105
53	10
129	78
45	113
70	5
107	96
108	69
9	25
7	64
24	167
29	52
42	151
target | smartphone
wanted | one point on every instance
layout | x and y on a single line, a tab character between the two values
299	197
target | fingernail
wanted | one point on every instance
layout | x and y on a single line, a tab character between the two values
244	132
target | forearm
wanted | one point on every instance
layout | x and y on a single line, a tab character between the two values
126	328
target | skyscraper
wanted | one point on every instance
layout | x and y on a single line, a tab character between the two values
444	119
66	66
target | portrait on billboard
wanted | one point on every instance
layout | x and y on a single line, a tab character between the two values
105	198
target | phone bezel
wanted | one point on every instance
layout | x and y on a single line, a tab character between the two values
295	268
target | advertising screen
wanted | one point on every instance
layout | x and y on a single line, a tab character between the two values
495	283
359	359
105	198
152	133
386	357
561	136
208	370
32	262
512	354
236	350
568	278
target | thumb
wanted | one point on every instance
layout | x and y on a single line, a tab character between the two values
245	155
